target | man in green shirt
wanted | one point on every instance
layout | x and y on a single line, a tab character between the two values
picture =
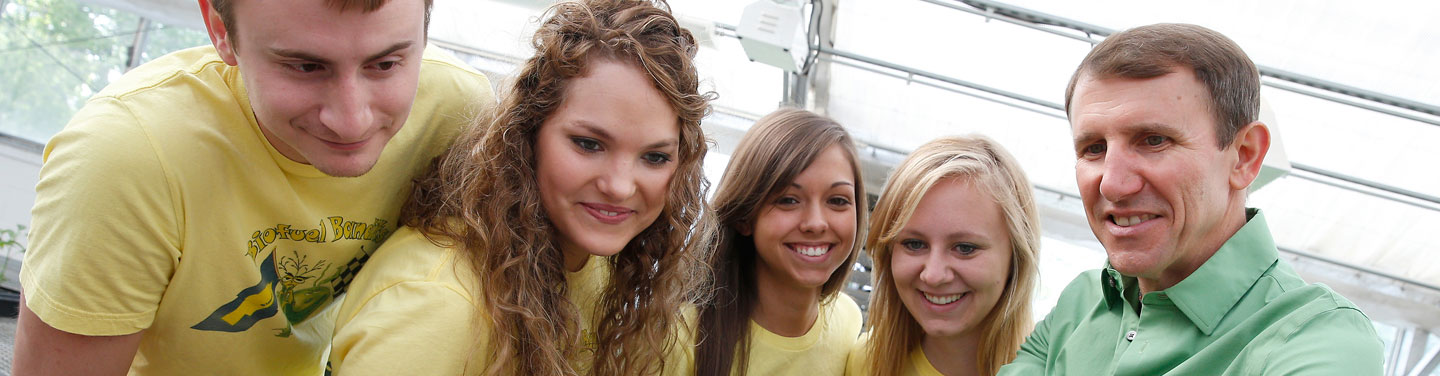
1167	142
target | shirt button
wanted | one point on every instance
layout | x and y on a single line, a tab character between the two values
1130	336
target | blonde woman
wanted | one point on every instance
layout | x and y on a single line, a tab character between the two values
790	206
556	232
955	239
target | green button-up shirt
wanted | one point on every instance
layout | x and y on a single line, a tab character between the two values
1244	312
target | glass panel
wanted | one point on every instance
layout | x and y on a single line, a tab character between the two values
60	52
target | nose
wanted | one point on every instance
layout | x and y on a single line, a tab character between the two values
813	221
346	110
1119	179
618	184
937	270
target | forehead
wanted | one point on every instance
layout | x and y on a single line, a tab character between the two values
1177	101
622	100
317	26
832	166
957	204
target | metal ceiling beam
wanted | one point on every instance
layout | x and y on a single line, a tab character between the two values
1428	364
138	45
1022	16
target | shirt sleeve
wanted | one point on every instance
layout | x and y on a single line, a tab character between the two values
1034	352
411	328
1340	341
105	226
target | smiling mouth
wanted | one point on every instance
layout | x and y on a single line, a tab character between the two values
1131	220
608	214
811	250
942	299
346	146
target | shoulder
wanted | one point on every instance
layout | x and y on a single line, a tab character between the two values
1313	330
408	310
410	261
845	313
858	364
176	68
843	306
445	78
1327	338
171	102
1087	289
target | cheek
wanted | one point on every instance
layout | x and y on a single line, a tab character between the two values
843	223
395	97
277	100
905	269
771	224
656	185
553	171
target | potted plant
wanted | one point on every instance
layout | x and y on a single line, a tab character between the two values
9	243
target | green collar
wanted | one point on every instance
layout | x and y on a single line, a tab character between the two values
1213	289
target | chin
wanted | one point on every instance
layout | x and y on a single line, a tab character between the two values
607	249
344	170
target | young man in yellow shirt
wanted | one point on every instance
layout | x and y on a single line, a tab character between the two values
201	214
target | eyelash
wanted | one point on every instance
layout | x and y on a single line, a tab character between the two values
915	245
590	145
657	158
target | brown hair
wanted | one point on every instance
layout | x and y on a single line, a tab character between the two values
226	9
893	331
1156	50
488	183
772	153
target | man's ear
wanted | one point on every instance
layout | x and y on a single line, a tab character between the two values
219	34
1250	144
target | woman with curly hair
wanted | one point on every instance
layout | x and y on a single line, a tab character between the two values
556	238
955	239
789	208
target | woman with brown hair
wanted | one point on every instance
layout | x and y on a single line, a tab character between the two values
789	208
551	240
955	240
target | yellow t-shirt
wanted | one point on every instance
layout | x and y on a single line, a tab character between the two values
821	351
412	311
859	363
161	207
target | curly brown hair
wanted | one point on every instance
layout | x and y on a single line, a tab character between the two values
488	183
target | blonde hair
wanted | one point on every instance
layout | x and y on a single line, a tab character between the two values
893	331
488	181
779	147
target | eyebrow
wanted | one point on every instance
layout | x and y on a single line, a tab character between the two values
302	55
1088	136
832	185
950	236
603	134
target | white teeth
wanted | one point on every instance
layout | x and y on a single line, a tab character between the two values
942	300
812	250
1132	220
608	213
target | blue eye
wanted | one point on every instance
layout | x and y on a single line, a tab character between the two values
1156	140
1094	149
913	244
586	144
966	249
